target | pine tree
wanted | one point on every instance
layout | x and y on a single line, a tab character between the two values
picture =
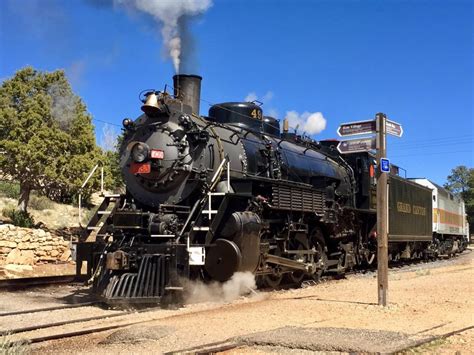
47	140
461	182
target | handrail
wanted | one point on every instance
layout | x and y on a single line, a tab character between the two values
84	185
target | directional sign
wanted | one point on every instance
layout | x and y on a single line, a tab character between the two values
394	128
385	165
356	145
355	128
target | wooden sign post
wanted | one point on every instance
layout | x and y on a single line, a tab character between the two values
381	126
382	211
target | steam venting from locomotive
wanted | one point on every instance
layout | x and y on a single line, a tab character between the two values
173	18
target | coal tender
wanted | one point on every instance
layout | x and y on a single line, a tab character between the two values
209	196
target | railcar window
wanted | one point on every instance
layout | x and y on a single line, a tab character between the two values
434	198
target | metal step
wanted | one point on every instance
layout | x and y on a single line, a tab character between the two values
217	193
104	212
113	195
93	228
211	211
200	228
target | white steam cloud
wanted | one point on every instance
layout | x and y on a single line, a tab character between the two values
109	138
171	15
310	123
252	96
265	99
241	283
63	105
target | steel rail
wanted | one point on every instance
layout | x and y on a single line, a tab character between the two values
26	282
54	308
56	324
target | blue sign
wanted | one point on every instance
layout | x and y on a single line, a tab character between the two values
385	165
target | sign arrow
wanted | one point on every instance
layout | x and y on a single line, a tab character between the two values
355	128
394	128
356	145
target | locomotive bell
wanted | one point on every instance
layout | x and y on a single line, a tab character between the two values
151	106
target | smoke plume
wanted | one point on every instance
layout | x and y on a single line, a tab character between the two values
241	283
308	122
108	141
63	105
173	18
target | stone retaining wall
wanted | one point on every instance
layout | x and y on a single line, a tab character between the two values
25	246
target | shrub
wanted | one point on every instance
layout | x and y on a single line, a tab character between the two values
19	218
10	189
40	203
10	347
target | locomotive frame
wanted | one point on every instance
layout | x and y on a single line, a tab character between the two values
211	196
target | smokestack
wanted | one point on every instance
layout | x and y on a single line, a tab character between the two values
286	126
187	88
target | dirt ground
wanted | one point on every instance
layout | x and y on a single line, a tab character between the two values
339	316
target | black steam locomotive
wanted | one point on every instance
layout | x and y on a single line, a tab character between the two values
209	196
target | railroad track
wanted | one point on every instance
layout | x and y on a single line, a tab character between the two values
29	335
26	282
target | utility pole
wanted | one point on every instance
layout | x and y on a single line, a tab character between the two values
382	211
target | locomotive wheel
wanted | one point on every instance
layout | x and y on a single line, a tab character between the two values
295	277
317	241
273	280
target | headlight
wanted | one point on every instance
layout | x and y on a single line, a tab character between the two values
140	152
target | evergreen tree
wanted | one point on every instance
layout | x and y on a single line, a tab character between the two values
47	138
461	182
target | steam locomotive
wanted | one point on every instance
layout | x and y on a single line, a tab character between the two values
209	196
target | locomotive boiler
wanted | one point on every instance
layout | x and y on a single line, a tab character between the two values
209	196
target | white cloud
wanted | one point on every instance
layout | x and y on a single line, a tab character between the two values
307	122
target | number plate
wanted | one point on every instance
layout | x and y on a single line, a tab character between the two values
157	154
140	168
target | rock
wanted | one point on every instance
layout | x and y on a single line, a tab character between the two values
28	245
40	233
54	253
21	257
26	238
66	255
138	334
5	250
40	253
5	243
23	246
46	248
46	258
18	268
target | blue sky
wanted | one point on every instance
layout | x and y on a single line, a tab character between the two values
347	59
